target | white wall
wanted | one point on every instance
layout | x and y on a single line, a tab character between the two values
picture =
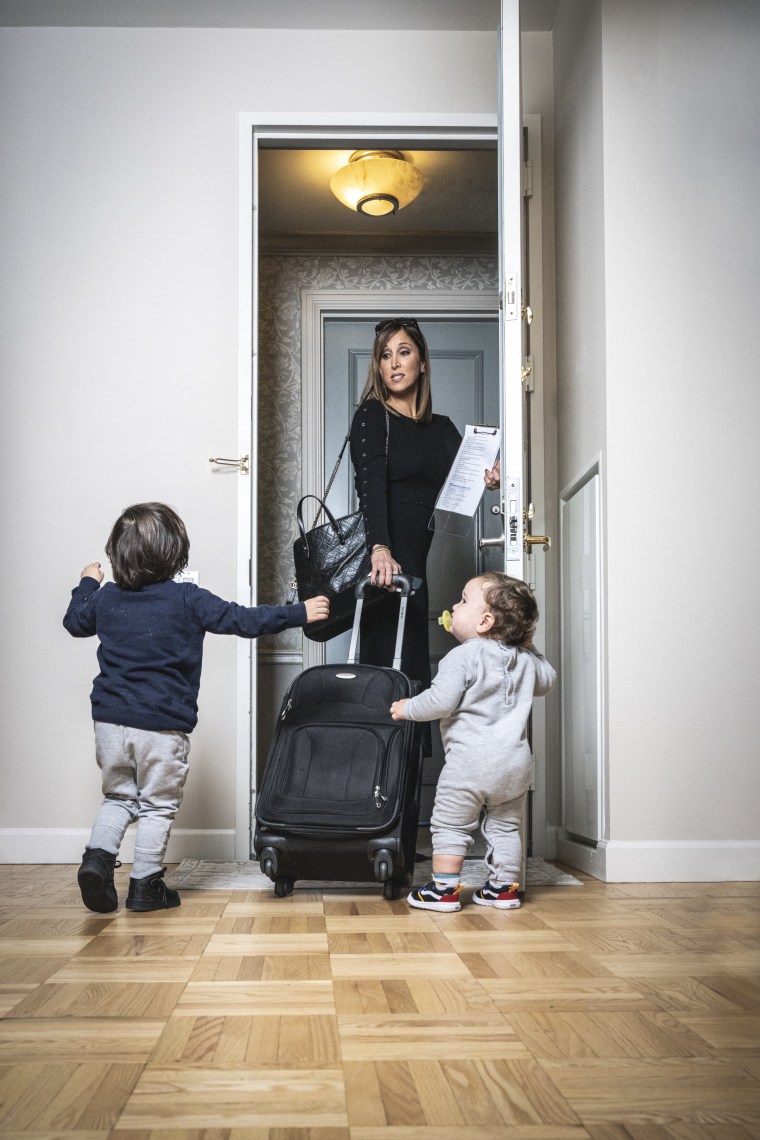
581	316
119	255
681	405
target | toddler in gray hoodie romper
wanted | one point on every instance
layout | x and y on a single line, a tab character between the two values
482	694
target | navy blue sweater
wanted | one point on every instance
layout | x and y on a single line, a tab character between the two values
151	646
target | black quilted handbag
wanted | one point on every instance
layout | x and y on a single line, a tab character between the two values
331	559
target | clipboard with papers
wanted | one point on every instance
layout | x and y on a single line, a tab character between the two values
460	495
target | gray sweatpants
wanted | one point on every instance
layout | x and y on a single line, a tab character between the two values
490	796
143	777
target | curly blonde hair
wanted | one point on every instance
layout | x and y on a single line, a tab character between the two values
513	605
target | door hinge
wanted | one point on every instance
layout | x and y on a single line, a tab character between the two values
528	378
528	179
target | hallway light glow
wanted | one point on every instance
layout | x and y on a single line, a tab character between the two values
376	182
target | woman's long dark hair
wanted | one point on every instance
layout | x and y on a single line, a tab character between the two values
148	544
375	388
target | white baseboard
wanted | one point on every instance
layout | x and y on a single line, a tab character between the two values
65	845
612	861
665	861
580	856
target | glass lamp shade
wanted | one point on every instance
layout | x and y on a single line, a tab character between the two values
376	182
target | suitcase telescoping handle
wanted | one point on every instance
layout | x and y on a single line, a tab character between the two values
403	585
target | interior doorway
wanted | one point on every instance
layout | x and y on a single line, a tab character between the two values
443	264
277	380
297	292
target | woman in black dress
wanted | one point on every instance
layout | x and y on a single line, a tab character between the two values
401	453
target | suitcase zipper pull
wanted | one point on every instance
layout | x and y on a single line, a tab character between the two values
286	710
380	799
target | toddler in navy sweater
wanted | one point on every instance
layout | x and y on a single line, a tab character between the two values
144	699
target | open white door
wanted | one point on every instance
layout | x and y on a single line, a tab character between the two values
511	288
514	315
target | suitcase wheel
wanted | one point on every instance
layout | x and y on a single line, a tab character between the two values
392	889
283	887
268	863
383	865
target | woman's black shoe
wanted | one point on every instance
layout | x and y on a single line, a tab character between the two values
151	893
95	878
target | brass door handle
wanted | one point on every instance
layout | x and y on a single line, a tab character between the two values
537	540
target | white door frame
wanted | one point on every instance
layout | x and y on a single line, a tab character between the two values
510	128
337	129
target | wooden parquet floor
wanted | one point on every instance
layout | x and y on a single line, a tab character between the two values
602	1012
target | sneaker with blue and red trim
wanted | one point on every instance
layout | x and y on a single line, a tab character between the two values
435	897
504	898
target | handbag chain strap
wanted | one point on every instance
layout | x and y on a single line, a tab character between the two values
331	480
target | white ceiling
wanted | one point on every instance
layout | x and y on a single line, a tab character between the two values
456	212
422	15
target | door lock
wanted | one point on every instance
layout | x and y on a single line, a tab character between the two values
486	542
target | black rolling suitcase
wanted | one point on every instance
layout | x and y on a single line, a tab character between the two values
339	800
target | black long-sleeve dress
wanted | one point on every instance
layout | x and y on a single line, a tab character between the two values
397	496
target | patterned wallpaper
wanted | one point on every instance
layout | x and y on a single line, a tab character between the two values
281	280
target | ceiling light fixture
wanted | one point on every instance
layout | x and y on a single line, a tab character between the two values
376	182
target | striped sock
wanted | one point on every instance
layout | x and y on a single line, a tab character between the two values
446	882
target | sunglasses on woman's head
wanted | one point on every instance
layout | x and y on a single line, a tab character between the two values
389	322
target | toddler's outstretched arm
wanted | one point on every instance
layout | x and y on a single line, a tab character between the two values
444	695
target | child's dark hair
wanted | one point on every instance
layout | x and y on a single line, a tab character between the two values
513	605
148	543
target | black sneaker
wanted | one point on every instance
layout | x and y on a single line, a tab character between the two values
433	897
95	878
504	898
151	893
